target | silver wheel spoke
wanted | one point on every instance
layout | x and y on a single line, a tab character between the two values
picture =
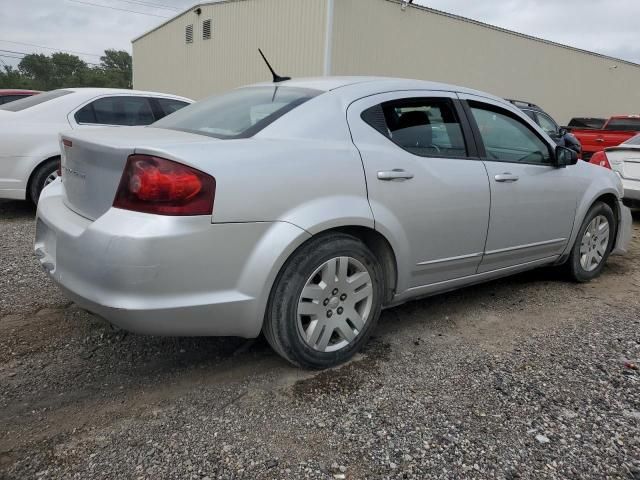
355	318
346	331
313	292
310	308
329	272
323	340
314	330
362	294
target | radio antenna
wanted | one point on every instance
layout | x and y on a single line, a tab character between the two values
276	78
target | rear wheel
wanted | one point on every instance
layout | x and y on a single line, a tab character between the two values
325	302
43	176
594	243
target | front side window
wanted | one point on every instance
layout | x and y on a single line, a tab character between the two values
125	111
34	100
547	124
428	127
240	113
508	139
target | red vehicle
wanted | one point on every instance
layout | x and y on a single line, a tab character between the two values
7	96
615	131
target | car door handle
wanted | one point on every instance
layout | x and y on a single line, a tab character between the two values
396	174
599	139
506	178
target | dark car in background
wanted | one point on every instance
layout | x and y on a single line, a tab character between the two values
559	134
587	122
10	95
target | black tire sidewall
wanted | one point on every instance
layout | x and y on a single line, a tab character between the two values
577	272
282	312
37	180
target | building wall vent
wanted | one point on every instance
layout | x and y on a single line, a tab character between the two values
188	34
206	29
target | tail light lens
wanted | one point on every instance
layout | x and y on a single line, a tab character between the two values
164	187
600	158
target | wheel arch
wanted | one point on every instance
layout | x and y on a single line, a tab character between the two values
381	249
609	196
35	169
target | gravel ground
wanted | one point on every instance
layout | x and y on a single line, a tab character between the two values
530	377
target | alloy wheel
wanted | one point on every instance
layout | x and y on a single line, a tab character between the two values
50	178
594	243
335	304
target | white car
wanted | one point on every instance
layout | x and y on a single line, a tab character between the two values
625	161
29	128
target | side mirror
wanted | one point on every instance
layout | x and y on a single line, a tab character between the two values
565	157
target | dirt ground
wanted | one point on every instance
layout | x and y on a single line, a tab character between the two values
526	377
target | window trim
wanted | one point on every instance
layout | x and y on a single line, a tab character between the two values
467	135
503	111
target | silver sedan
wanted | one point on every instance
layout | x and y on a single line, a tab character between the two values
301	209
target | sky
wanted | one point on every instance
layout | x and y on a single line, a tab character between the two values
605	26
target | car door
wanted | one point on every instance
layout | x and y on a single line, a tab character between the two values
533	203
114	110
428	193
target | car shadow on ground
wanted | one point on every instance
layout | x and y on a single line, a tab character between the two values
16	210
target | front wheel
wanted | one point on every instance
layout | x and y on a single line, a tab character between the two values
43	176
593	244
325	303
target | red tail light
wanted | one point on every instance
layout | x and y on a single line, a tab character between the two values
164	187
600	158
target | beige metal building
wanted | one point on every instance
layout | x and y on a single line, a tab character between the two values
212	47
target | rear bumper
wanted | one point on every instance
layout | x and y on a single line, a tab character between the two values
163	275
631	189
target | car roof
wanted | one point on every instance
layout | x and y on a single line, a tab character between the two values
372	85
123	91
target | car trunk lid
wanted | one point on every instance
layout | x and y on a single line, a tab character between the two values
93	162
625	161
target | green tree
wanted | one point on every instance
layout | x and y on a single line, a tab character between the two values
42	72
117	67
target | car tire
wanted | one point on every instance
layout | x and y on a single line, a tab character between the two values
314	322
591	249
44	174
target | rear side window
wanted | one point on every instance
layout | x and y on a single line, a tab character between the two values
238	114
34	100
125	111
624	124
428	127
170	105
508	139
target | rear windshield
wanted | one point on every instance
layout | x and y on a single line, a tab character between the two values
238	114
34	100
633	141
624	124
